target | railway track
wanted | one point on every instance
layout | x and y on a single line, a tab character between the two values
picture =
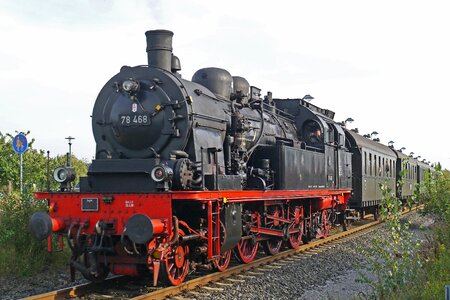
109	288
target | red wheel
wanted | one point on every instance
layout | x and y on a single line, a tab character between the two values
273	246
222	263
246	250
295	239
176	265
323	226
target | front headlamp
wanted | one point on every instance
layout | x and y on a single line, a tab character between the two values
64	174
130	86
161	173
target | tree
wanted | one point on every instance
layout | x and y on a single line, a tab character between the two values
20	253
34	166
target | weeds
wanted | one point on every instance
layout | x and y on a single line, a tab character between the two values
20	253
408	269
393	258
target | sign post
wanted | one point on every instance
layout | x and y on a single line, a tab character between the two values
20	145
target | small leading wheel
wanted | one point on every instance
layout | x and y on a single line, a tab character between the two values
176	265
101	274
223	262
246	250
273	246
102	270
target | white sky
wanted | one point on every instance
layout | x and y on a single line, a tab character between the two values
386	64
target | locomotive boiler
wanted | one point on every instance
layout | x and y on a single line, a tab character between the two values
188	172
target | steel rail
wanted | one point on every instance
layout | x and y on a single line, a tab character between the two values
76	290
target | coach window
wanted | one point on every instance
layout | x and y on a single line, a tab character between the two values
388	164
370	164
365	163
375	165
380	167
392	168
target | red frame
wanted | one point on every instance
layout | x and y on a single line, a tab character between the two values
159	205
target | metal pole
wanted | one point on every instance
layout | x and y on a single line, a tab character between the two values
70	150
48	171
70	153
21	172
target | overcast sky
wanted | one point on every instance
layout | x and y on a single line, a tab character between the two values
386	64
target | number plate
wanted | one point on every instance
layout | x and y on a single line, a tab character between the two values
89	204
134	120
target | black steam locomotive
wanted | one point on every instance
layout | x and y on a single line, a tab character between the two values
187	172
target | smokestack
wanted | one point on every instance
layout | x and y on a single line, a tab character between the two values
159	49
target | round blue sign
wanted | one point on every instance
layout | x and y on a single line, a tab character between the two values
20	143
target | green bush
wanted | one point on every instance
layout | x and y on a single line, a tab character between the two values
393	258
431	279
20	252
435	194
408	270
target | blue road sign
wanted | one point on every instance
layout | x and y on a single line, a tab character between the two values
20	143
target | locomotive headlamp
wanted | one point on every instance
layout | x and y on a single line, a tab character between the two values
161	173
130	86
60	174
64	175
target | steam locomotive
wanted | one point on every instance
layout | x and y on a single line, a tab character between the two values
188	173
